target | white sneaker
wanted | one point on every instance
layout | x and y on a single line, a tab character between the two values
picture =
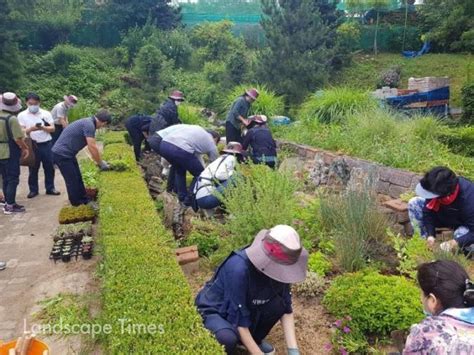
3	265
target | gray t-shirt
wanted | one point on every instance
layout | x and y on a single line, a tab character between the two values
73	138
193	139
59	110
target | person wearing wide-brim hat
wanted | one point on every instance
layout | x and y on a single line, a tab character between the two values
215	178
237	115
444	200
260	141
60	114
250	292
12	149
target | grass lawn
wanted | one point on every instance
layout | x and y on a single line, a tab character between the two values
365	70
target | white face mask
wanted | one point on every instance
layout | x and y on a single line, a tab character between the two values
33	108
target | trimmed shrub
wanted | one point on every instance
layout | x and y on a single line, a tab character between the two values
460	140
334	105
71	214
378	304
141	280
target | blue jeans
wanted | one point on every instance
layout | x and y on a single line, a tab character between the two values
69	168
11	174
415	212
43	156
211	201
182	161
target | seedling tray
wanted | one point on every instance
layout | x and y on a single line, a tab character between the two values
60	249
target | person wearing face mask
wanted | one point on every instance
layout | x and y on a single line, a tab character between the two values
75	137
447	294
38	124
12	148
60	115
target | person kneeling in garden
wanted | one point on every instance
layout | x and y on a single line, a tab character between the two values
259	139
448	301
444	201
216	176
250	292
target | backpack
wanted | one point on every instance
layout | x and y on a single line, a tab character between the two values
8	128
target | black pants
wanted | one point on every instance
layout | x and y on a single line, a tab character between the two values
11	173
232	134
69	168
154	143
43	156
58	129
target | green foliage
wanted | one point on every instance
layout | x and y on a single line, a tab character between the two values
383	137
268	103
141	280
71	230
357	226
319	263
11	63
308	224
206	235
411	252
349	35
260	199
190	114
460	140
72	214
467	93
152	68
334	105
64	309
449	24
397	304
110	137
347	338
300	45
84	108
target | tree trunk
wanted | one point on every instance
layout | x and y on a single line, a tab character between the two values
376	33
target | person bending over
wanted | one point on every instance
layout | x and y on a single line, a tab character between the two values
261	143
444	201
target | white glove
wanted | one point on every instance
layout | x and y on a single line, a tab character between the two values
104	166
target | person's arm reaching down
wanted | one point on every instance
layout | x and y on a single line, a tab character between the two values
94	150
248	341
288	324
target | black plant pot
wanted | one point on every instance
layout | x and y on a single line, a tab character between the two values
66	257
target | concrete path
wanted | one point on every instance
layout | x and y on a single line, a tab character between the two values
25	243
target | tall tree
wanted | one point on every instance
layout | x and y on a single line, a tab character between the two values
301	45
124	14
11	69
449	24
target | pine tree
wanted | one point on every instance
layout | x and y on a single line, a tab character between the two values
11	70
301	45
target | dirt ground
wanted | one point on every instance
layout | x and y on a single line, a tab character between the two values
311	321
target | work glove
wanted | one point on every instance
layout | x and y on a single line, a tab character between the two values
293	351
104	166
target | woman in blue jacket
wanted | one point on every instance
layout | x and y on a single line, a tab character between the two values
250	292
444	201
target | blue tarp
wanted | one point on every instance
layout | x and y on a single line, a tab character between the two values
438	94
412	54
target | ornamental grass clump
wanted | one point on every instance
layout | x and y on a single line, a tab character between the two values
356	225
335	105
377	304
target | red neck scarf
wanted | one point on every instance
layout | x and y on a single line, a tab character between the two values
436	203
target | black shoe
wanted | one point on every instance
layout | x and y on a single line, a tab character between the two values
32	194
53	192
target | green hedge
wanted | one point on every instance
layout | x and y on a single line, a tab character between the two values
142	281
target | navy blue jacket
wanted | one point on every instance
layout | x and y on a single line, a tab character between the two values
459	213
241	294
261	141
139	123
166	115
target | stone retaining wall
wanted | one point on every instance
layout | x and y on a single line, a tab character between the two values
388	181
